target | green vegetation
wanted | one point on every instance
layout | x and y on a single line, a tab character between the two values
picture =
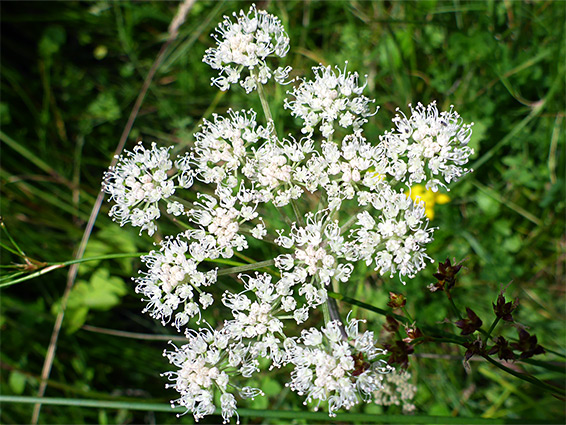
70	75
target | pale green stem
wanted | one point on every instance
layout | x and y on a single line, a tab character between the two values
245	268
352	220
54	266
298	215
265	104
326	313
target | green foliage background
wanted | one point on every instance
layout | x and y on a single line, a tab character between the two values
70	73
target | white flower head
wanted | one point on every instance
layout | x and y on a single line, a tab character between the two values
246	43
137	183
331	97
397	390
172	282
429	147
204	367
336	365
221	145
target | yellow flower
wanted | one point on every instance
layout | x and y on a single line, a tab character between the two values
429	197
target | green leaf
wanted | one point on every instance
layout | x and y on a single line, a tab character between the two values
101	292
487	204
17	382
110	240
75	318
105	107
271	387
51	41
479	131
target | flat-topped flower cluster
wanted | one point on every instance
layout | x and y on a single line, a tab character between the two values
342	199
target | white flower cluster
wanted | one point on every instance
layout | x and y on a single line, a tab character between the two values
246	43
140	180
395	242
207	362
426	146
172	279
330	97
320	205
222	145
397	390
334	365
334	369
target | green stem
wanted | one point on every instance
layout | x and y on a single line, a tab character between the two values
326	313
264	103
298	215
245	268
99	257
369	307
352	220
453	304
443	336
554	366
408	314
54	266
20	251
491	328
526	377
276	414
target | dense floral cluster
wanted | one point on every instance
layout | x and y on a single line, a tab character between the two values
323	203
330	97
426	146
246	43
333	367
397	390
140	180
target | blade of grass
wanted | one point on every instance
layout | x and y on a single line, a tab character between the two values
133	335
48	197
536	111
56	266
518	209
38	162
276	414
5	229
185	46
